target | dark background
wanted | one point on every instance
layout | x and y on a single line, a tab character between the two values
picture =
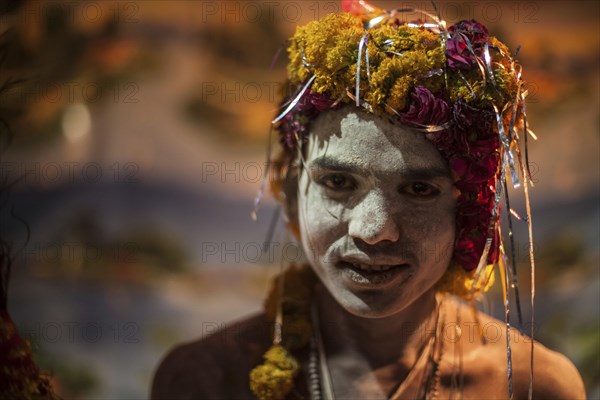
139	133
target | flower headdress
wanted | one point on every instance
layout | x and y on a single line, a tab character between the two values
458	85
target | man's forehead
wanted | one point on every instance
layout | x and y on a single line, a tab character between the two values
349	139
406	171
348	120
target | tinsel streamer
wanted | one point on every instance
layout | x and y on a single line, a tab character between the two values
278	325
488	63
439	22
392	109
513	259
432	128
361	45
521	95
507	151
513	138
368	65
532	263
295	101
525	133
437	12
513	117
467	84
491	231
276	57
431	73
424	25
504	276
364	104
263	182
394	53
526	182
480	64
387	15
376	21
379	19
388	43
517	215
271	230
505	159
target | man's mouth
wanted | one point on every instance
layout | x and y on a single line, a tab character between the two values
370	275
372	267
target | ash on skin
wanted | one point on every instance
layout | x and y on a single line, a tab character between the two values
376	212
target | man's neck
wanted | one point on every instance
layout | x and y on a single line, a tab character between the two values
397	338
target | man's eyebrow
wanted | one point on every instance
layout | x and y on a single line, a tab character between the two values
333	164
417	174
413	173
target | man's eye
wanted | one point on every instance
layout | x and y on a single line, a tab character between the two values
421	189
337	182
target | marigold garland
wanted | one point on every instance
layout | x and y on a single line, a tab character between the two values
274	378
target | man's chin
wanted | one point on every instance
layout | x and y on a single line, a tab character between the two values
369	304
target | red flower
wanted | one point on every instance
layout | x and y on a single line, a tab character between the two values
468	125
467	253
485	148
466	43
473	123
471	171
319	101
294	127
425	108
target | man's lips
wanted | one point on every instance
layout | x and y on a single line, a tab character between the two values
373	261
371	275
370	266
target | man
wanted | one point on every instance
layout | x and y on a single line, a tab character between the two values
390	218
368	220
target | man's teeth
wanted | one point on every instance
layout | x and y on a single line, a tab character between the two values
367	267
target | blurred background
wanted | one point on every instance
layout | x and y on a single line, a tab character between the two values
138	134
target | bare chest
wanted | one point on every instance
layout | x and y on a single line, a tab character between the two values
449	379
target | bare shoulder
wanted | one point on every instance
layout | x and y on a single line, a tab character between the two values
215	366
555	376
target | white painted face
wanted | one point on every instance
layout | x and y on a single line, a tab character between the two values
376	211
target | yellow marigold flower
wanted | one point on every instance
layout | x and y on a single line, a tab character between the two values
399	93
274	379
459	282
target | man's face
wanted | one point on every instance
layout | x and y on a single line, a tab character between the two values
375	210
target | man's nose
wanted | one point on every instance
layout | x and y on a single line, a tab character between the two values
372	220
